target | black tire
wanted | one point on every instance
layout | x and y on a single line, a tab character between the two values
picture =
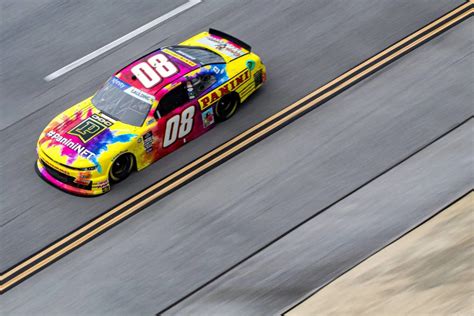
121	168
226	107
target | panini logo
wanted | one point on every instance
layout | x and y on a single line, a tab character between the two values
91	127
231	85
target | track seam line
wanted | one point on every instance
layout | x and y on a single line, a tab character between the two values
394	240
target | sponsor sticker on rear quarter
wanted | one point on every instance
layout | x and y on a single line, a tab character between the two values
223	45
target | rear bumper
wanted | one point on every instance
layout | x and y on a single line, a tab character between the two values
71	183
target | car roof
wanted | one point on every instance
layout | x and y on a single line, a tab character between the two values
216	42
183	64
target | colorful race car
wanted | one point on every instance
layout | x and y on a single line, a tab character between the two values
147	110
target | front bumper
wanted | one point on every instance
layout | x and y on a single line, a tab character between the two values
72	181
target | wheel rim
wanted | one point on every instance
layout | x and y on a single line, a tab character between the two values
121	167
226	107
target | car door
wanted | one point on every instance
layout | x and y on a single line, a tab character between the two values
175	117
178	118
181	118
200	85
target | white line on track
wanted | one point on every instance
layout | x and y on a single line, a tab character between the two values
121	40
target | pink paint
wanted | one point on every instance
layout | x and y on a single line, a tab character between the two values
127	76
58	183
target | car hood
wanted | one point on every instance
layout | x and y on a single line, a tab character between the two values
82	136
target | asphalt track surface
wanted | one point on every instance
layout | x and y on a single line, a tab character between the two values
41	36
313	255
310	50
203	229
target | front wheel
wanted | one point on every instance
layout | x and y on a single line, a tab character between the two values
121	168
226	107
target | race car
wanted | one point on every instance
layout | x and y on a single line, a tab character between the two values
147	110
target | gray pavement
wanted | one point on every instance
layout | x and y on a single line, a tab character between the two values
40	36
345	234
304	44
191	236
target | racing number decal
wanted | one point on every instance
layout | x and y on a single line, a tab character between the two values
179	126
151	72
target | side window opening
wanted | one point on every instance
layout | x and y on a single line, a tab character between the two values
173	99
202	83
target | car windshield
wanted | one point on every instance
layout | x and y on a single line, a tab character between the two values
123	102
200	55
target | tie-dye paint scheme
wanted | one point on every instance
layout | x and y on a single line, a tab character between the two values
60	150
96	146
77	149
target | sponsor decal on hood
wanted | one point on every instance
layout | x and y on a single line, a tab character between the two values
83	135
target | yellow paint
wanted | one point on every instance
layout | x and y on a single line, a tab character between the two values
199	40
228	87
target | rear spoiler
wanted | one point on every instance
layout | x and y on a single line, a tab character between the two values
230	38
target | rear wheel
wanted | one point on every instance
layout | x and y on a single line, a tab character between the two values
121	168
226	107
